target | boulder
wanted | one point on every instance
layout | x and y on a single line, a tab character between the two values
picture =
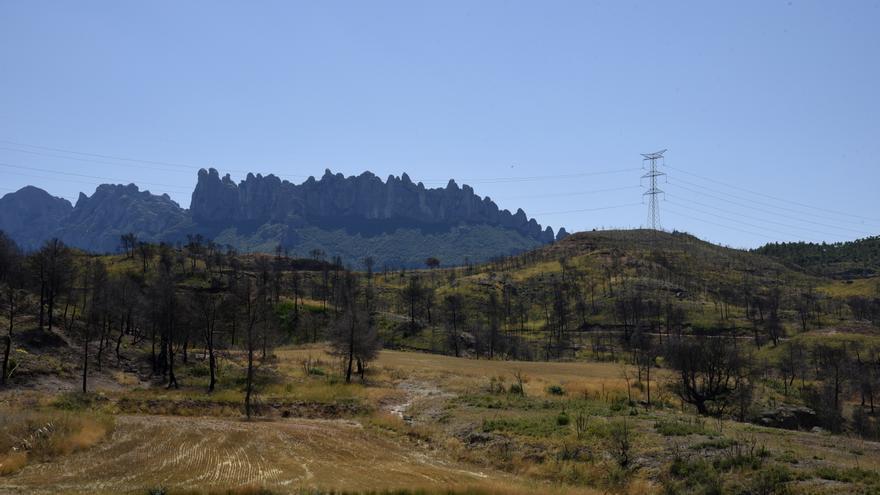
789	417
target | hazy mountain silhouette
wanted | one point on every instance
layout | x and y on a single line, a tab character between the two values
396	221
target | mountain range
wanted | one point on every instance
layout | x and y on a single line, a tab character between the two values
396	221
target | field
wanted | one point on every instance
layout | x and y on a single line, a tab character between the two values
429	421
286	454
211	453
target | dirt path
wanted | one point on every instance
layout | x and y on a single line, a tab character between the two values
153	451
419	393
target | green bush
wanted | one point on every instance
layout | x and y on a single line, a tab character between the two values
680	428
555	390
847	475
771	481
562	419
696	476
515	389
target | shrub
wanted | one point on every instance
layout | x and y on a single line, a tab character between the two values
771	481
680	428
693	476
516	389
619	442
562	419
555	390
75	401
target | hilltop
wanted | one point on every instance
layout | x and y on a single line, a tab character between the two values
844	260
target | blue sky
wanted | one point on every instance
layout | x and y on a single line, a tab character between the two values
770	110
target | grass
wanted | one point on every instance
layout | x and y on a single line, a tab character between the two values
544	426
463	417
497	489
856	287
682	427
45	435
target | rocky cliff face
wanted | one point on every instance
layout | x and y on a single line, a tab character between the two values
395	221
97	221
350	202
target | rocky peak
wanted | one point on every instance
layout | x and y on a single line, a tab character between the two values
30	215
349	200
98	220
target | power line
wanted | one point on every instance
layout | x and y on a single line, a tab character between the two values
504	180
760	227
99	155
675	181
486	180
763	236
805	205
73	174
91	160
136	162
574	193
783	224
586	209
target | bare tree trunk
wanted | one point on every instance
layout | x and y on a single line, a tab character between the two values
153	358
6	351
8	348
42	303
212	365
101	344
51	308
85	376
350	350
172	379
249	382
119	342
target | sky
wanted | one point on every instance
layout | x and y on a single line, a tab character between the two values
769	110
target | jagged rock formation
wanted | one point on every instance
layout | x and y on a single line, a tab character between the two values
396	221
353	202
97	221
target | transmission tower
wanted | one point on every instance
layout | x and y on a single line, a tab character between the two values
652	174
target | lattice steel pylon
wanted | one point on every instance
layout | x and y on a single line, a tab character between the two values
652	174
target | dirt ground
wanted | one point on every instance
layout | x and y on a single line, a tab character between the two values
160	451
287	455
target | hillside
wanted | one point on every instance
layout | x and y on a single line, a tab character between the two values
396	222
844	260
558	370
655	266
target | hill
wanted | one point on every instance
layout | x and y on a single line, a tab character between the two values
396	222
845	260
585	349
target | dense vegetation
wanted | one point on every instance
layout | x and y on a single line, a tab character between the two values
851	259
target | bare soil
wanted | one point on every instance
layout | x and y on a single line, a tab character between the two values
204	453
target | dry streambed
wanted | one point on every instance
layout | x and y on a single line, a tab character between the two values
204	453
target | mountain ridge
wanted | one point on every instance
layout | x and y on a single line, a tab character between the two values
353	217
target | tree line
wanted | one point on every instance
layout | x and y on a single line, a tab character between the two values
174	304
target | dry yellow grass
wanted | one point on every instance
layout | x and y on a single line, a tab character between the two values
27	436
460	374
12	462
211	453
